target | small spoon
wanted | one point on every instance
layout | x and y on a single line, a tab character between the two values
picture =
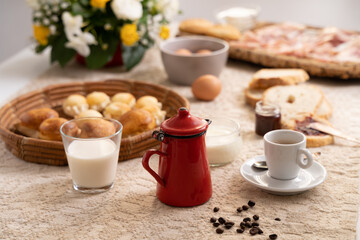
262	164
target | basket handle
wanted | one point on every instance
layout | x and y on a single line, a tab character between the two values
145	163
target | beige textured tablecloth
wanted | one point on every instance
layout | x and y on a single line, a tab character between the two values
38	202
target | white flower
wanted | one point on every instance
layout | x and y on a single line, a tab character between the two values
38	14
169	8
107	26
55	9
48	12
46	21
54	18
64	5
127	9
52	29
34	4
78	40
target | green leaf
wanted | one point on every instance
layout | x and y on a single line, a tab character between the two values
40	48
84	2
78	9
132	55
98	56
60	52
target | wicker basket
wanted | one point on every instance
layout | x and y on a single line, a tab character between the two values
52	152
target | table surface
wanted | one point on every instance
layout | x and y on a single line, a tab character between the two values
38	201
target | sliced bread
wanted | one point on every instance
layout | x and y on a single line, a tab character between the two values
314	138
294	99
266	78
252	96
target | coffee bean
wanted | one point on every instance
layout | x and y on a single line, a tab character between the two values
242	224
245	207
240	230
221	220
216	209
219	231
230	223
251	203
277	219
255	224
239	209
273	236
248	225
256	217
260	231
228	226
216	224
213	219
254	231
247	219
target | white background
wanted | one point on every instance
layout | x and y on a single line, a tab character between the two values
16	29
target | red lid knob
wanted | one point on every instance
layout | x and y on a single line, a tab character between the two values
184	124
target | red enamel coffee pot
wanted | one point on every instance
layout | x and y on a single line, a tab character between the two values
183	178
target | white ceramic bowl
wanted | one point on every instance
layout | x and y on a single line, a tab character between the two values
185	69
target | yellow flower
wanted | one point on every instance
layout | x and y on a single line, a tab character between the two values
129	35
98	3
164	32
41	34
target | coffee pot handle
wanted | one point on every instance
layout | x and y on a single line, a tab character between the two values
145	163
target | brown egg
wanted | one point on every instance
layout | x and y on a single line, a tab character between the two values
183	51
206	87
203	52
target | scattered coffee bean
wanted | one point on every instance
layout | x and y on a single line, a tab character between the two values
230	223
221	220
247	219
228	226
219	231
255	224
256	217
277	219
273	236
242	224
260	231
248	225
251	203
245	207
216	224
254	231
213	219
239	209
216	209
240	230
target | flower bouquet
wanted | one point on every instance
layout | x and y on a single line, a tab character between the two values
100	32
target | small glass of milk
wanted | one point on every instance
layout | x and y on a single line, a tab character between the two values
223	141
92	147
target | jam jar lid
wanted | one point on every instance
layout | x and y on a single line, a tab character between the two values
184	124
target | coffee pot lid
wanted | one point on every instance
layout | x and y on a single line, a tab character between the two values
184	124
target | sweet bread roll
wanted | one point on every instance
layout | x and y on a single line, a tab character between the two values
136	121
49	129
126	98
75	104
98	100
147	100
89	113
95	128
31	120
226	32
156	112
116	109
195	25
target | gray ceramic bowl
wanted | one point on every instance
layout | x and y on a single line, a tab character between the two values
185	69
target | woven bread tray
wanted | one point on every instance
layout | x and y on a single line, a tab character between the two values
52	152
343	70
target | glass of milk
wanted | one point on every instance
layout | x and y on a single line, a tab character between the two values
223	141
92	147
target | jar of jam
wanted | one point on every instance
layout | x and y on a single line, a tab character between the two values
267	118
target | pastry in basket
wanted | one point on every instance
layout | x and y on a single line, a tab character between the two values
126	98
31	120
195	26
49	129
98	100
89	113
156	112
136	121
95	128
226	32
147	100
74	104
314	138
116	109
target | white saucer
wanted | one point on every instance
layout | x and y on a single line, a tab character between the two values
307	178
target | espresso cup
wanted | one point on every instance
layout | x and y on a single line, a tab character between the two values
284	153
